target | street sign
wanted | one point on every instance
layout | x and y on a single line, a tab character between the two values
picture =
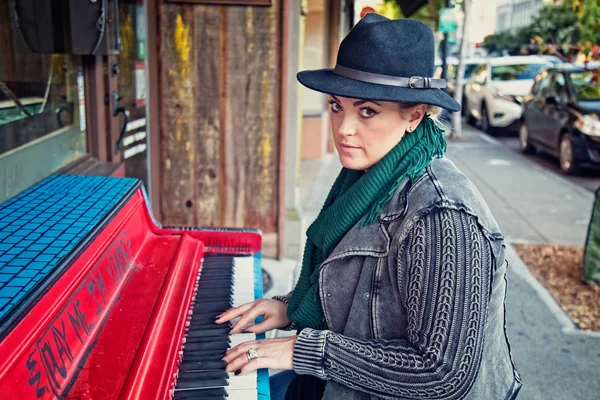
448	20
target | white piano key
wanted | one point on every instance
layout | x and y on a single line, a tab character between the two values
243	387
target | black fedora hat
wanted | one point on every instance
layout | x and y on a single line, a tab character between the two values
386	60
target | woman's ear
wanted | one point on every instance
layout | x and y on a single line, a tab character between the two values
417	114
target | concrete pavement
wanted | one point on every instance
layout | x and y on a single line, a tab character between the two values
533	205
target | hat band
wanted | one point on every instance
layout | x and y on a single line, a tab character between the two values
414	82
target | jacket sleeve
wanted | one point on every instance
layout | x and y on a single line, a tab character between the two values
286	299
444	276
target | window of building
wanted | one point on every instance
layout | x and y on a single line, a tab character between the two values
42	114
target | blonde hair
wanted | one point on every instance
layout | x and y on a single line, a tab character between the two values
431	110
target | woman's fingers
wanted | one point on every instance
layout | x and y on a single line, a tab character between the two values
271	353
247	319
237	351
264	326
233	313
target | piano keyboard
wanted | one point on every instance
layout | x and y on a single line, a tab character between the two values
223	282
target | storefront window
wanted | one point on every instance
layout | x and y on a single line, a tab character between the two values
42	114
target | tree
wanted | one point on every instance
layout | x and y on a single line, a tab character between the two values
555	30
588	16
504	41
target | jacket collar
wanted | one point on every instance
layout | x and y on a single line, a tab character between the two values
373	240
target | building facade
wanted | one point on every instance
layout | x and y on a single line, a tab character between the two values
196	98
514	14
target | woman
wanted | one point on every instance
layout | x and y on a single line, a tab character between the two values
401	293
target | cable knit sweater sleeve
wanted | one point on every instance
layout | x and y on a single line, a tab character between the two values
444	272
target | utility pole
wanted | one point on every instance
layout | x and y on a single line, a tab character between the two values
460	72
445	51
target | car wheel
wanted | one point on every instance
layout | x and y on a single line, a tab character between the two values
470	118
565	153
485	121
526	146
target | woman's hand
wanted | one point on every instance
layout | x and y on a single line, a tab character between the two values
274	312
271	353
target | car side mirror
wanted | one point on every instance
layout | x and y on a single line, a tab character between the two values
552	100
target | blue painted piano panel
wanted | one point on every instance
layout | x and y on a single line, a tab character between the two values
44	224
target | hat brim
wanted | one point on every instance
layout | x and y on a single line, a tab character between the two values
326	81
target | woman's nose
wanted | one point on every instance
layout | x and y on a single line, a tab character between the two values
348	127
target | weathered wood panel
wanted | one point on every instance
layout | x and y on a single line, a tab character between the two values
236	130
263	180
233	157
177	121
250	134
207	94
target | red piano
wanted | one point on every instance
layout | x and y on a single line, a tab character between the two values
98	301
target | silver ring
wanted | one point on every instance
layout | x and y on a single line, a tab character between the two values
251	354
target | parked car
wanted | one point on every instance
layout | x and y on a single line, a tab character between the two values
555	60
493	94
561	115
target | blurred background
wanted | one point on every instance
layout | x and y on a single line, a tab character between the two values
198	99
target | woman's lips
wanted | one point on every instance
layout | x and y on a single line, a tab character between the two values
347	147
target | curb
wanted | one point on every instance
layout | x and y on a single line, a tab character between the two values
557	178
518	266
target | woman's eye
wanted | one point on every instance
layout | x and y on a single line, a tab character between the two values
335	107
367	112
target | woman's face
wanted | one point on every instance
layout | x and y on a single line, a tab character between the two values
365	131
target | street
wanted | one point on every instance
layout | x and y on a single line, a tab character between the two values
588	179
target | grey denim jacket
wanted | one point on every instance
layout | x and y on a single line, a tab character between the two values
415	302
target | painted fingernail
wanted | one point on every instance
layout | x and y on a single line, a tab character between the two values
239	371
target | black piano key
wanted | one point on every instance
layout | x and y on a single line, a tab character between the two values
202	383
212	344
187	358
203	365
205	339
210	331
218	393
200	397
205	353
211	307
214	298
202	375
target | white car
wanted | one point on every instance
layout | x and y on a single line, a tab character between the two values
494	93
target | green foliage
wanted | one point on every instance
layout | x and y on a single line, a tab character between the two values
591	257
555	28
504	41
588	15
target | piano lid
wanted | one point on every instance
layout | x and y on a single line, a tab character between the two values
44	228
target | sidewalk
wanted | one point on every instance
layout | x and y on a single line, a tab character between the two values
532	205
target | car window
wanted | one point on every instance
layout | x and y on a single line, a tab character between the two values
558	87
586	84
480	73
453	69
515	72
542	81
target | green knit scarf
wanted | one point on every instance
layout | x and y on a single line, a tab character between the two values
356	195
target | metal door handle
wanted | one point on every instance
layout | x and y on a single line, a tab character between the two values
125	112
119	110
